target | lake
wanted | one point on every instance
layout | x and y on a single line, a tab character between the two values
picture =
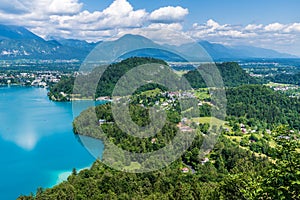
38	147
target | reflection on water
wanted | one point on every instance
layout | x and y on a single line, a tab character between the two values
36	141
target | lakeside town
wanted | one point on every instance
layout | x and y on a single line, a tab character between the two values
34	78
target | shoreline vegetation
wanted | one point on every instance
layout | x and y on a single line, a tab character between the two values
63	175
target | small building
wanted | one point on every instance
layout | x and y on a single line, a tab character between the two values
101	121
185	170
284	137
153	141
244	130
204	160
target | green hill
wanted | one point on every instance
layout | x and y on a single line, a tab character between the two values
106	84
231	73
241	165
260	103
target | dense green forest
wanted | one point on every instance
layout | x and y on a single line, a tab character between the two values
64	86
286	78
263	105
256	156
232	173
106	84
231	73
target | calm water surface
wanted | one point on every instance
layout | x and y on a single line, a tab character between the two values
37	145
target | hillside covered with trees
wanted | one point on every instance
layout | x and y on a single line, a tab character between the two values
231	73
232	173
256	155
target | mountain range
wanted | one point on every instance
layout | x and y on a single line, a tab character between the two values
19	43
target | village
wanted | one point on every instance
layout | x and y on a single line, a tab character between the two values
36	78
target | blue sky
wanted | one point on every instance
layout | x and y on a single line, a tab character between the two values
273	24
224	11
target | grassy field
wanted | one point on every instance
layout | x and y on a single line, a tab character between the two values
210	120
133	166
271	84
181	72
151	93
202	94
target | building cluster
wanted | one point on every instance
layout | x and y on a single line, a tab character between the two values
285	88
39	79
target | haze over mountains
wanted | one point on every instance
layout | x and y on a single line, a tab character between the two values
19	43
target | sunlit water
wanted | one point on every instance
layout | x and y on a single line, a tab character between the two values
37	145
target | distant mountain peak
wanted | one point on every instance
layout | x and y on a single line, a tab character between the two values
17	42
219	51
16	32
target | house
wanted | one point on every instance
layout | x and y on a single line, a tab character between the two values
153	141
244	130
284	137
101	121
185	170
205	160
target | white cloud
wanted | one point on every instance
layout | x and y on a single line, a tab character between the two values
253	27
295	27
236	34
12	6
277	36
67	19
173	26
213	28
120	14
41	7
64	7
213	25
274	27
168	14
160	33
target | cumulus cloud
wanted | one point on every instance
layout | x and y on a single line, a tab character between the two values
160	33
276	36
168	14
119	14
274	27
44	7
295	27
253	27
12	6
65	7
213	28
173	26
66	18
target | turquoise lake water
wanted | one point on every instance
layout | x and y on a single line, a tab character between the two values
37	145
